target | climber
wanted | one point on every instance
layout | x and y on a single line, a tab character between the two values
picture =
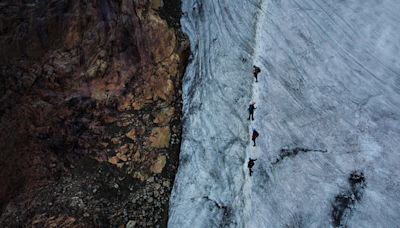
256	71
254	136
251	110
250	165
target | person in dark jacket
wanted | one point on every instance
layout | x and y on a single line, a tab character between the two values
254	136
256	71
250	165
251	110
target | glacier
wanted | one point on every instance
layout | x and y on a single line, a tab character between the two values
328	114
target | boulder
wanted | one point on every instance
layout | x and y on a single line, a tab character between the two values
160	137
132	134
164	116
159	165
113	160
131	224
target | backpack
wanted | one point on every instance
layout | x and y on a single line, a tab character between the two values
255	134
251	108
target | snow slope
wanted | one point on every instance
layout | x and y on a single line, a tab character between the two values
328	109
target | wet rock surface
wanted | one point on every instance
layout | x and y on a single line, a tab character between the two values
90	115
346	201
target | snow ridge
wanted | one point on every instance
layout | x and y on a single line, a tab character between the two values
254	152
208	191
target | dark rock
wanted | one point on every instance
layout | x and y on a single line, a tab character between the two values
345	201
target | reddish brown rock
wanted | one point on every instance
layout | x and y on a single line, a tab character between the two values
123	149
113	160
137	105
159	164
132	134
160	137
164	116
156	4
115	140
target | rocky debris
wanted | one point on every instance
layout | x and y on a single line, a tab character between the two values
91	92
92	196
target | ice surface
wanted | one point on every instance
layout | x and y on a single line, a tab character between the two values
328	104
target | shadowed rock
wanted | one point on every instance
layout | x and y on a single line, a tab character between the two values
344	202
80	85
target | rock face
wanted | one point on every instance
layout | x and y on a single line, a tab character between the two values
90	106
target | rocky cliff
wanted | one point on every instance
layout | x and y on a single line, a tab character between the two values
90	109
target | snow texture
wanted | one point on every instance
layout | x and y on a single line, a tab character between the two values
328	110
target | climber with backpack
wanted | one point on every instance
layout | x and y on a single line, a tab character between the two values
254	136
256	71
251	110
250	165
